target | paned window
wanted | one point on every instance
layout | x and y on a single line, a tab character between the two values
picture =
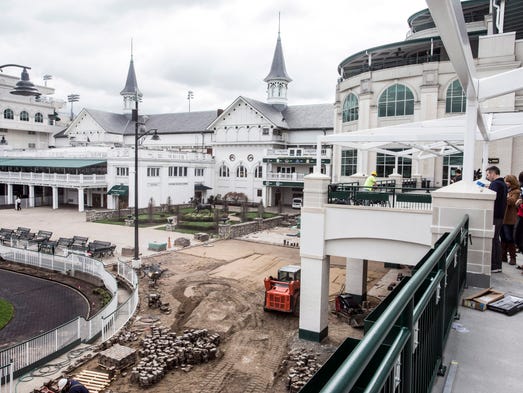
153	172
39	118
385	165
122	171
8	114
241	171
177	171
350	108
199	172
456	101
24	116
224	171
258	172
397	100
349	161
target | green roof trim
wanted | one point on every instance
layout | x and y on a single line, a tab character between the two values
50	163
119	190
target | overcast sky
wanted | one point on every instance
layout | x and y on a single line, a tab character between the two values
219	49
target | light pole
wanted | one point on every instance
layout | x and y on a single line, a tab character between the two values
190	96
73	98
137	137
24	87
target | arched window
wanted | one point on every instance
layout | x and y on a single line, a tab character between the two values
397	100
39	118
224	171
24	116
258	172
350	108
456	101
8	114
241	171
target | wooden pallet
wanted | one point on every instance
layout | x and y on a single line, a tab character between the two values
94	381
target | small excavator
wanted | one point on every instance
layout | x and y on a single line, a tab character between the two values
283	293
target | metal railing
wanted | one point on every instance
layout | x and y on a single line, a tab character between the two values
402	350
105	323
385	194
6	378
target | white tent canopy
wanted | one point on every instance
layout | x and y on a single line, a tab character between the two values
427	139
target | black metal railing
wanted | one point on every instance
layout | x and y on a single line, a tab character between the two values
384	194
402	349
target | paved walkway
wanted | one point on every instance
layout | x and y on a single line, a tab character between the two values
487	346
65	222
40	305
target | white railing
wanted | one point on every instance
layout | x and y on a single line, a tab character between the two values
297	153
55	179
6	378
285	176
106	322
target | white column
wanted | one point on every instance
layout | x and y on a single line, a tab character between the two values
356	278
31	196
314	306
314	298
10	199
55	197
449	205
81	200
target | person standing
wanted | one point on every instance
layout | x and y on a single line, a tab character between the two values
18	203
509	220
370	183
497	184
518	233
457	177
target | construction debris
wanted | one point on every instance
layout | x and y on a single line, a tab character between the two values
117	358
94	381
163	350
302	365
154	300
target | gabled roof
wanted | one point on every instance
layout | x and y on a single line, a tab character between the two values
184	122
168	123
296	117
278	70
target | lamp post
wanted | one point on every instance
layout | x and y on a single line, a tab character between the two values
137	137
73	98
190	96
24	87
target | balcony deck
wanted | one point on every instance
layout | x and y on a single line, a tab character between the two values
488	353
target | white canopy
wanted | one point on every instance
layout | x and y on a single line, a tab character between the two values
429	138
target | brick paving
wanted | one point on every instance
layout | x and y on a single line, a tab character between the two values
40	305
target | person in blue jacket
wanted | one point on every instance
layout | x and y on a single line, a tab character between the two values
69	385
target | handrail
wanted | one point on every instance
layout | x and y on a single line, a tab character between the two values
56	340
350	370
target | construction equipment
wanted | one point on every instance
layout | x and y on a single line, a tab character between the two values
351	310
283	293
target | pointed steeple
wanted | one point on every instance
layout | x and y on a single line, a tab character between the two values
278	79
131	92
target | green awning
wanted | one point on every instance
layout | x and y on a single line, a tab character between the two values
50	163
119	190
201	187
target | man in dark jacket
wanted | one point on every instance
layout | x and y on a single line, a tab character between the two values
71	386
497	184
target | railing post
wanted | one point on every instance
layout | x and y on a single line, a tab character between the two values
409	348
441	313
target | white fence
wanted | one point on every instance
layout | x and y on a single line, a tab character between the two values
106	322
53	179
6	378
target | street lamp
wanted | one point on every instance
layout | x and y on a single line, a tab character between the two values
24	87
137	137
190	96
73	98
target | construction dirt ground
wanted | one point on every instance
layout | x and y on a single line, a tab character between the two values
219	287
215	285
